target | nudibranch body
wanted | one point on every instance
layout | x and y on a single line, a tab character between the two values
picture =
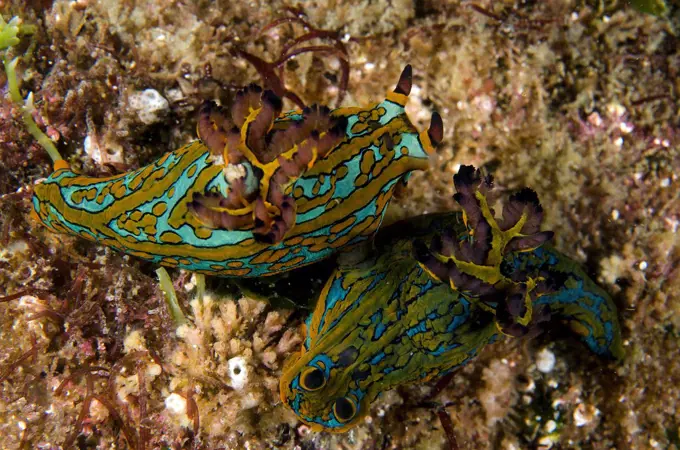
440	288
261	192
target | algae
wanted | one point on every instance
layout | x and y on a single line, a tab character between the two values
170	297
8	33
580	105
8	38
654	7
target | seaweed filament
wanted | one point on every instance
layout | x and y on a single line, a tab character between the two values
8	39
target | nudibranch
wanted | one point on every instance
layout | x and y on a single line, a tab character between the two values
259	193
440	288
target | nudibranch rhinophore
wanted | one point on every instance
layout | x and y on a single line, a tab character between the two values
260	193
440	288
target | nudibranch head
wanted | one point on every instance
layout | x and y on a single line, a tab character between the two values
261	193
321	395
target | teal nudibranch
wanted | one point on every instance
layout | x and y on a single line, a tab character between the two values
436	291
262	192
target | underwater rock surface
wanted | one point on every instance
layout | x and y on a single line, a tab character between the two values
576	99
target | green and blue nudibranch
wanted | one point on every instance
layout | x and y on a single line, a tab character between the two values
439	289
259	194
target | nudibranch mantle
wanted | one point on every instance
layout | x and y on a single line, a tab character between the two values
261	193
378	326
422	305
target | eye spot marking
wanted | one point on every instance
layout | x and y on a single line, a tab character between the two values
344	409
312	379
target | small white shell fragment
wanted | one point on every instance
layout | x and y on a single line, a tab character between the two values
250	401
550	426
149	105
238	372
545	360
584	414
92	149
176	404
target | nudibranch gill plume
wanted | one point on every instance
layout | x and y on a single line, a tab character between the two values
260	193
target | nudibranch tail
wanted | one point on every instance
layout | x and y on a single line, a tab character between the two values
569	295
